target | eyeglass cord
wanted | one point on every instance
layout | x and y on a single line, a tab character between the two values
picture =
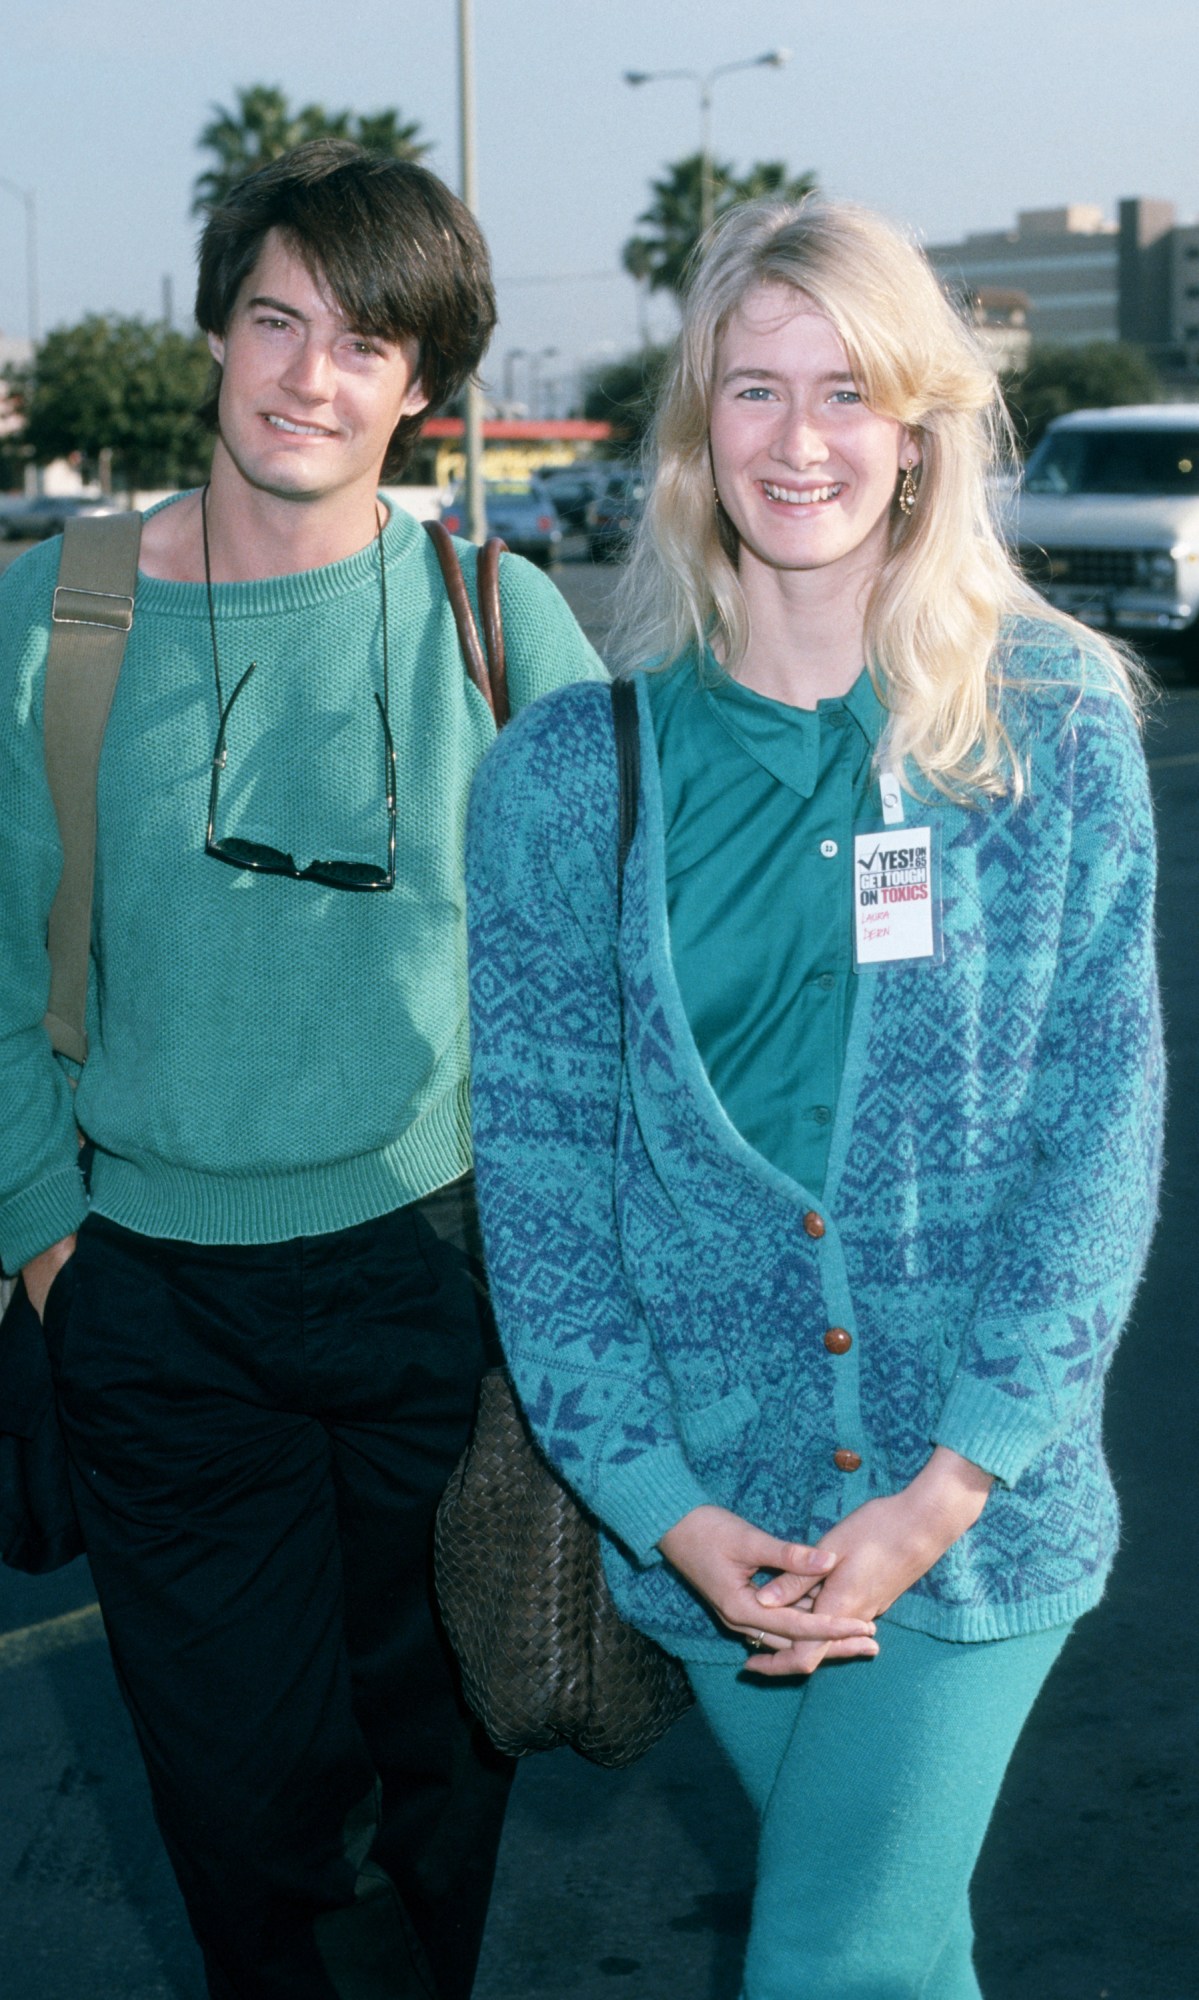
216	661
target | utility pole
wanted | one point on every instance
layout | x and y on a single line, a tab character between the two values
26	197
707	193
476	507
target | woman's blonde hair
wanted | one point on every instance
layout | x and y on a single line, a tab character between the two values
934	615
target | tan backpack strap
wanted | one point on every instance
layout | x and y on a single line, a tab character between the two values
90	621
487	670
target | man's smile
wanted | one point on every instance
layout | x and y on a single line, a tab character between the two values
296	429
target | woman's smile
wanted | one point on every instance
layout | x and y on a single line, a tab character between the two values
793	496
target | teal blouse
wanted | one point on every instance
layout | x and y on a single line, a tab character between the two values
760	801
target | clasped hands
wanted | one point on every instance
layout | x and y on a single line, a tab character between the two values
822	1602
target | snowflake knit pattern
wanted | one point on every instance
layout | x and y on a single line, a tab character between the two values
663	1292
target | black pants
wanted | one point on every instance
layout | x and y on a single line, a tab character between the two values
259	1438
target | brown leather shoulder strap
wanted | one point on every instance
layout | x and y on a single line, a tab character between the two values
486	669
488	586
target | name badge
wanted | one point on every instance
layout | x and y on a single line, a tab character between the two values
896	902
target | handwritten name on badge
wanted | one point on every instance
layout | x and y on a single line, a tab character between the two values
893	895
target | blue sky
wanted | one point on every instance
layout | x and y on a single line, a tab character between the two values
950	114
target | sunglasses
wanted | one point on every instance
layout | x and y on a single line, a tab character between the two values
266	860
256	854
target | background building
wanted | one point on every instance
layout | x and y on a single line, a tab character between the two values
1065	262
513	447
1001	322
1083	278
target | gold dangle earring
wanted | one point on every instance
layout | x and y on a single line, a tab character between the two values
907	492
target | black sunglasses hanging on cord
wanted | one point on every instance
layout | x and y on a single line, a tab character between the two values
256	855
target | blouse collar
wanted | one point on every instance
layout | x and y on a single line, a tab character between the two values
786	740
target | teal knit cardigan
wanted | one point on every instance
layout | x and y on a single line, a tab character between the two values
663	1291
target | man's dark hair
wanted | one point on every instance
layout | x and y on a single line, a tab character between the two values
401	255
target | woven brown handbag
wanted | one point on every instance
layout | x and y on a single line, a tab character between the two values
545	1656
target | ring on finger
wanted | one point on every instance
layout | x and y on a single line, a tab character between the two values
758	1641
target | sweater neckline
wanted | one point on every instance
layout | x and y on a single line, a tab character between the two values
270	596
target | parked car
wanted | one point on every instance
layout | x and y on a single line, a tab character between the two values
572	488
48	513
1107	519
613	515
519	511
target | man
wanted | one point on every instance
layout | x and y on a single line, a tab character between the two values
266	1317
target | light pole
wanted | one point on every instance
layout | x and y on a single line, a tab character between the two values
773	59
513	355
26	197
476	507
535	361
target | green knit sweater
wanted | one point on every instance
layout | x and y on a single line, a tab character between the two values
269	1058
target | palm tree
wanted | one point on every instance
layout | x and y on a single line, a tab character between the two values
264	126
661	258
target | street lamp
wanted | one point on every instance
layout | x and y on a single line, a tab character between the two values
535	361
25	196
773	59
513	355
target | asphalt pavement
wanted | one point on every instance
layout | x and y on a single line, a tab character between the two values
634	1885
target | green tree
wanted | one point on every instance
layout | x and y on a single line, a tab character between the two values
661	256
623	393
263	126
1097	375
124	385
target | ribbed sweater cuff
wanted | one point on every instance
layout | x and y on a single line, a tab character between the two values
640	1501
41	1215
991	1429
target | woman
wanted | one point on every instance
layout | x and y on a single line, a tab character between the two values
817	1158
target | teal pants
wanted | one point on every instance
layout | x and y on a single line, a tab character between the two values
873	1782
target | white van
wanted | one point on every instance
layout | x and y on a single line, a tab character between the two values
1107	518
